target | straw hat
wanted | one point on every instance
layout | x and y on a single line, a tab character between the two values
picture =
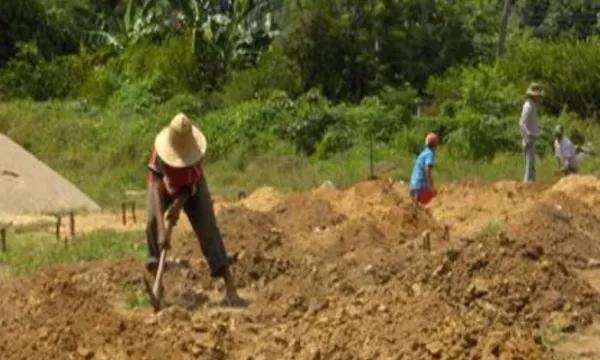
180	144
535	89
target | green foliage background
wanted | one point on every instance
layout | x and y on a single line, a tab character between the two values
295	89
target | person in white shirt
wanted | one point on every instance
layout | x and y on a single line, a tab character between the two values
529	128
564	152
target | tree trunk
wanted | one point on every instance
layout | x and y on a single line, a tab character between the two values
504	26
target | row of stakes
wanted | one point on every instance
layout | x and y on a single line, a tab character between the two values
426	238
58	225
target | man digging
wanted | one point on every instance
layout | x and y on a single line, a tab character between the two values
175	167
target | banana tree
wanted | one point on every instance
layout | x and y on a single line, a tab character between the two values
236	30
231	28
140	19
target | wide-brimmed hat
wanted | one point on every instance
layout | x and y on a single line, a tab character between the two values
180	144
535	89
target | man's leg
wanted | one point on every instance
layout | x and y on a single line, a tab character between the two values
152	230
529	151
200	212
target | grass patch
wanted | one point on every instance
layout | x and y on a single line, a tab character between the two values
289	172
492	228
136	299
111	151
29	251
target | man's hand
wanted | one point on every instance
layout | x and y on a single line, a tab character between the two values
172	215
162	240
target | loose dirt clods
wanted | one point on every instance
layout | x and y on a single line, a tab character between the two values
340	274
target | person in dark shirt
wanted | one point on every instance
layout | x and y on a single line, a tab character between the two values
175	166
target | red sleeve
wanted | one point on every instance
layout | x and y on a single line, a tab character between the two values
154	167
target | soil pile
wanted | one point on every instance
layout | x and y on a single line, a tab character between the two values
55	318
585	188
304	213
561	225
335	275
263	199
470	206
386	205
20	177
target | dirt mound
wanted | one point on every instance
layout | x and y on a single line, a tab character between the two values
57	319
488	298
305	213
585	188
469	208
388	206
262	245
263	199
560	225
20	176
500	287
335	275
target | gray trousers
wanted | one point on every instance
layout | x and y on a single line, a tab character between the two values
199	211
529	152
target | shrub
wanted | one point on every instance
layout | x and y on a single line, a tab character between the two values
569	69
227	128
273	73
308	122
29	75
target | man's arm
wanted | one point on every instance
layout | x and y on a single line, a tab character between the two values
429	175
557	154
526	119
157	188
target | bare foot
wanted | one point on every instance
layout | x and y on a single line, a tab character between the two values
233	299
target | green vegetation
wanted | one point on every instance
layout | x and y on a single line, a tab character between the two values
31	249
136	298
292	93
493	228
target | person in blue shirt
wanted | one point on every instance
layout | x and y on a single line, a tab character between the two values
421	180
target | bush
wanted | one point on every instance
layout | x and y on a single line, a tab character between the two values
309	122
483	89
569	69
29	75
273	73
480	137
229	127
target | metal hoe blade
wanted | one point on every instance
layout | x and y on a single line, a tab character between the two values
154	301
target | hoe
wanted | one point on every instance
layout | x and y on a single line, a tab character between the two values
156	292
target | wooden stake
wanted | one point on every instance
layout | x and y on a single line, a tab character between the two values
72	223
426	241
133	212
3	240
58	223
446	232
124	212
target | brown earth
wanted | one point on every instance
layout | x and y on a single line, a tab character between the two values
339	274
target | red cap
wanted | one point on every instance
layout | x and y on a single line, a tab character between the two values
432	139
